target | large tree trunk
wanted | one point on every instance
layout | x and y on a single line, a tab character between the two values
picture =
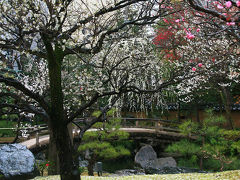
64	146
197	111
179	111
226	97
52	156
57	121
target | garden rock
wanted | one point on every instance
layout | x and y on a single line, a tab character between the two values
83	163
162	162
17	162
145	155
40	156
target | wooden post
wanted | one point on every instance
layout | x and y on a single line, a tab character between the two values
124	122
158	126
137	124
37	139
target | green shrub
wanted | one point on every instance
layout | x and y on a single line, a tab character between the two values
184	147
235	164
211	164
81	169
189	162
109	142
7	132
44	166
216	147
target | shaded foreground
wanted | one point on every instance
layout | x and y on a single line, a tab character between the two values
220	176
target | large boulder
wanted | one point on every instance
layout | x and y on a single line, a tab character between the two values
145	155
17	162
162	162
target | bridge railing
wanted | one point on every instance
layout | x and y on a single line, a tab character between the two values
31	131
148	123
157	124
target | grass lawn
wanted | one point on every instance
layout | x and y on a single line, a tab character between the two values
233	175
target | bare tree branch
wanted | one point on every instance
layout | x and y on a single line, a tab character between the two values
19	86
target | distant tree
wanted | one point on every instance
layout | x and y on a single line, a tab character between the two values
107	142
188	36
219	16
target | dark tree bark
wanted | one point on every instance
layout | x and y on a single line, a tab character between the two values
197	112
228	107
53	157
179	111
58	122
90	167
65	153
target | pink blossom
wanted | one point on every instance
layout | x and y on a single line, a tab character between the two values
190	35
170	27
219	6
183	19
194	69
198	30
177	20
230	23
163	6
238	3
228	4
165	20
200	64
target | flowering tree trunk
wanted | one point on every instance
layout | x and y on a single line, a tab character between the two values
57	121
52	157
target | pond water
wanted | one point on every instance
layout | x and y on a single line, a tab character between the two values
118	164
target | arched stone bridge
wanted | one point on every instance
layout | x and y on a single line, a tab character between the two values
141	129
